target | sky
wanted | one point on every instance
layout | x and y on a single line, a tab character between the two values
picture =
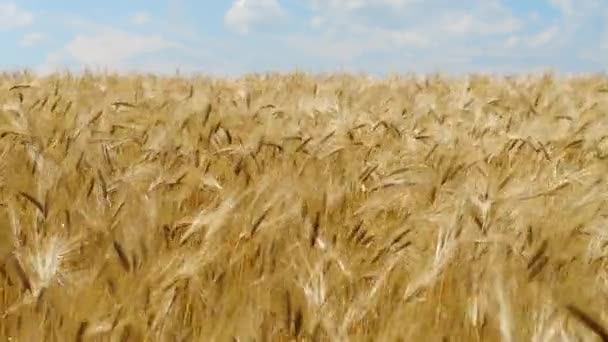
235	37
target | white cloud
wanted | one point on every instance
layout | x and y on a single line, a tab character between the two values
512	41
436	17
482	18
565	6
354	5
422	35
537	40
140	18
544	37
119	50
467	23
11	16
354	28
583	31
408	38
447	35
113	48
317	21
244	14
325	47
604	36
31	39
347	49
534	16
577	12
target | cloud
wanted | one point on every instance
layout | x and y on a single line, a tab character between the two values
113	48
565	6
438	18
11	16
31	39
534	40
120	50
372	35
512	41
140	18
355	5
351	31
582	27
471	23
450	35
244	14
544	37
576	13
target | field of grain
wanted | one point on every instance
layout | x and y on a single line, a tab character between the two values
303	207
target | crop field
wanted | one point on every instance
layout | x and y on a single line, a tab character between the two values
297	207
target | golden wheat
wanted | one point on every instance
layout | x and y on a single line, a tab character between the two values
302	207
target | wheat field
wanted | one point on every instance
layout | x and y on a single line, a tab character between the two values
300	207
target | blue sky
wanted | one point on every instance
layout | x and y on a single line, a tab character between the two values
231	37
